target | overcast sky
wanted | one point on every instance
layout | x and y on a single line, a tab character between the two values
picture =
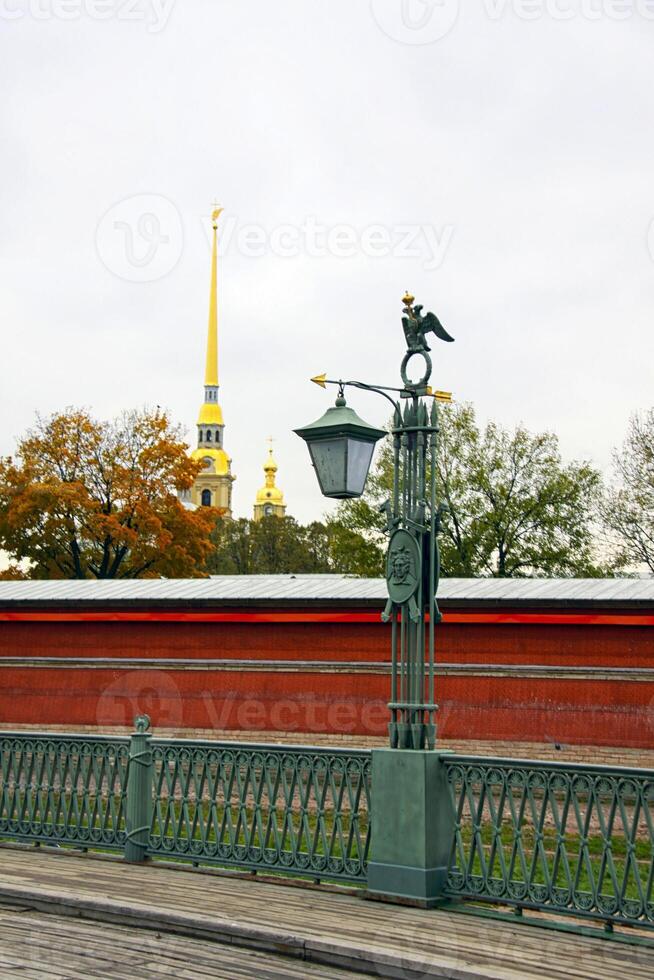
496	159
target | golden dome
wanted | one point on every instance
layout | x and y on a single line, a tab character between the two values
270	495
219	460
210	414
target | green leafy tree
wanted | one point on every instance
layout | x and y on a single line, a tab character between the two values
272	545
337	548
279	545
231	549
628	507
513	507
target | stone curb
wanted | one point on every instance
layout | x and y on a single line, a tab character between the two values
369	960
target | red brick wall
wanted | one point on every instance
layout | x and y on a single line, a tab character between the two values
603	645
322	698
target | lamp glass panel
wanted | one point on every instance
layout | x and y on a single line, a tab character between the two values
329	459
359	456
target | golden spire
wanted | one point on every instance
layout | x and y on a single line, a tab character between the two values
210	411
211	372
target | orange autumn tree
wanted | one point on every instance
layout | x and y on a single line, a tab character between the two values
88	499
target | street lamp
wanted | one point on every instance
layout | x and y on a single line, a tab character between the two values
341	446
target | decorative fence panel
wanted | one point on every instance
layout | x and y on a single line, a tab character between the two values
558	838
63	789
299	810
565	839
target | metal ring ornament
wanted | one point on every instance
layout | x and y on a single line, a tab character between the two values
456	881
495	777
538	893
516	890
607	904
562	897
405	363
632	909
583	901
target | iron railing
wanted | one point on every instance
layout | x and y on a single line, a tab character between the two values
304	810
571	839
300	810
559	838
63	789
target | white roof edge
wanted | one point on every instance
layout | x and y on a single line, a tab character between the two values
327	588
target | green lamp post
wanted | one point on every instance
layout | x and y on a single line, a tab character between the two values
341	446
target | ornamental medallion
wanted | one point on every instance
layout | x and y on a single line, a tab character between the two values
402	566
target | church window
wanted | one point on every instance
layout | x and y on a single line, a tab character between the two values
268	510
206	498
208	435
200	439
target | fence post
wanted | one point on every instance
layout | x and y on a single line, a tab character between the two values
138	814
413	821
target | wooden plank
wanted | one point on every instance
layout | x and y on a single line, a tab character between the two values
46	945
324	925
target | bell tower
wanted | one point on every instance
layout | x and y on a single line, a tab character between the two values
213	485
269	501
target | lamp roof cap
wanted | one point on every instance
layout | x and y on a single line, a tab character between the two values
341	420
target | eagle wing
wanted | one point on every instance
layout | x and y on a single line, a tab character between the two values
431	322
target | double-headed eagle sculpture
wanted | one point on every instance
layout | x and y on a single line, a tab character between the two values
416	326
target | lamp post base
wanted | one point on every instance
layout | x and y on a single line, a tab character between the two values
412	818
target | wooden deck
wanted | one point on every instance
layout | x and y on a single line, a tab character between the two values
66	915
46	946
